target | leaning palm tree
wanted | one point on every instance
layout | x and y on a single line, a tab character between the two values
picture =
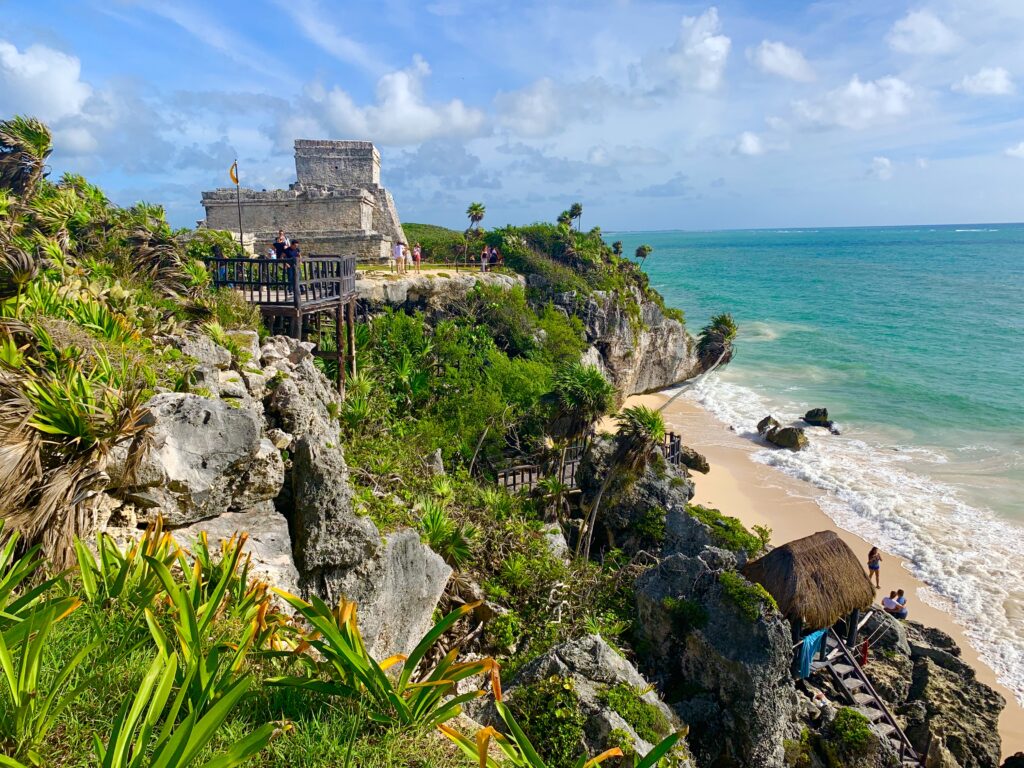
641	431
576	214
475	212
714	342
642	252
617	247
564	219
25	143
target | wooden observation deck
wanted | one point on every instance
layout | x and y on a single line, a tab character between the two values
309	298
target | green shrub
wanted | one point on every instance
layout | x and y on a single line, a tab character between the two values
850	733
687	615
504	631
438	243
646	719
200	243
749	598
728	532
799	754
652	524
549	713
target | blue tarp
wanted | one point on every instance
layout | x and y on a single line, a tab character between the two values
811	647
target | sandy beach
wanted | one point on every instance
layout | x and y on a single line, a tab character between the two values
761	495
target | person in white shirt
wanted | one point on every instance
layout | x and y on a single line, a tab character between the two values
396	256
890	606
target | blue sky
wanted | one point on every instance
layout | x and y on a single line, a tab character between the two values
654	115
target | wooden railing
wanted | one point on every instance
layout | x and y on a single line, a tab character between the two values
287	282
527	476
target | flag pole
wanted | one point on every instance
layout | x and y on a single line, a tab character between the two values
238	199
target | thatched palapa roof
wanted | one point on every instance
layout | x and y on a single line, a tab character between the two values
817	579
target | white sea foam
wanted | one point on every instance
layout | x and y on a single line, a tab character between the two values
969	557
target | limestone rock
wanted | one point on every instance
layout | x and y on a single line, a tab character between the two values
202	349
204	458
268	542
594	666
638	357
632	518
430	293
792	438
741	697
696	461
230	384
818	417
1015	760
300	401
248	342
397	591
327	534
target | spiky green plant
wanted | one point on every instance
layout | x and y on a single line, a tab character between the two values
25	144
451	540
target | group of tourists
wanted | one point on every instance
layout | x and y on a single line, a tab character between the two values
489	256
282	248
402	258
896	603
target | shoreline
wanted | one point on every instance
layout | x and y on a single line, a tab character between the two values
758	494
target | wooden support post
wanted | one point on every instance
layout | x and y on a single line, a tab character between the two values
351	328
851	632
339	317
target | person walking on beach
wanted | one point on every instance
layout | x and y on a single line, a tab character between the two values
417	256
875	566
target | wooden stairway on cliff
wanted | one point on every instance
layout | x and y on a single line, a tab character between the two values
852	681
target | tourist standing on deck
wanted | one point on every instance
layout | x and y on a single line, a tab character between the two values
281	243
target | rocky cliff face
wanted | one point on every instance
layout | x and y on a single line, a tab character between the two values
641	353
218	464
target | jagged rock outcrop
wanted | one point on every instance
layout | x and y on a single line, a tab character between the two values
818	417
431	293
732	674
691	459
638	354
594	668
632	518
204	458
792	438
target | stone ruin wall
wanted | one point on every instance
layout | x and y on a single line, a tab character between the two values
337	205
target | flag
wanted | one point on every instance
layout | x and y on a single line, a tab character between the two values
233	172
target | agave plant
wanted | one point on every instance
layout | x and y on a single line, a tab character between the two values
517	750
451	540
640	431
341	666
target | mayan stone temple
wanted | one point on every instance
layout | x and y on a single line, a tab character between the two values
337	207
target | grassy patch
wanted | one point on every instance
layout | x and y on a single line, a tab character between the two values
549	713
687	615
647	720
728	532
749	599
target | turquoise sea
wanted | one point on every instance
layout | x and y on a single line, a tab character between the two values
913	338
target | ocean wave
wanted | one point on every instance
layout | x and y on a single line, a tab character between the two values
975	230
969	558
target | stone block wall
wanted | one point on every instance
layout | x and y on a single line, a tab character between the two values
337	163
290	210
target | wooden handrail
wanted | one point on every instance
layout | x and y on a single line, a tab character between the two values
287	282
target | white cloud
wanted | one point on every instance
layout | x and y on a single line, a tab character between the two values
881	168
41	82
989	81
858	104
313	21
628	157
698	57
75	141
1016	151
545	107
921	32
748	143
922	163
779	59
400	115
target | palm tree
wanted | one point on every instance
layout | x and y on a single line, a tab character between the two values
617	247
25	143
714	342
576	212
564	218
475	212
641	431
642	252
